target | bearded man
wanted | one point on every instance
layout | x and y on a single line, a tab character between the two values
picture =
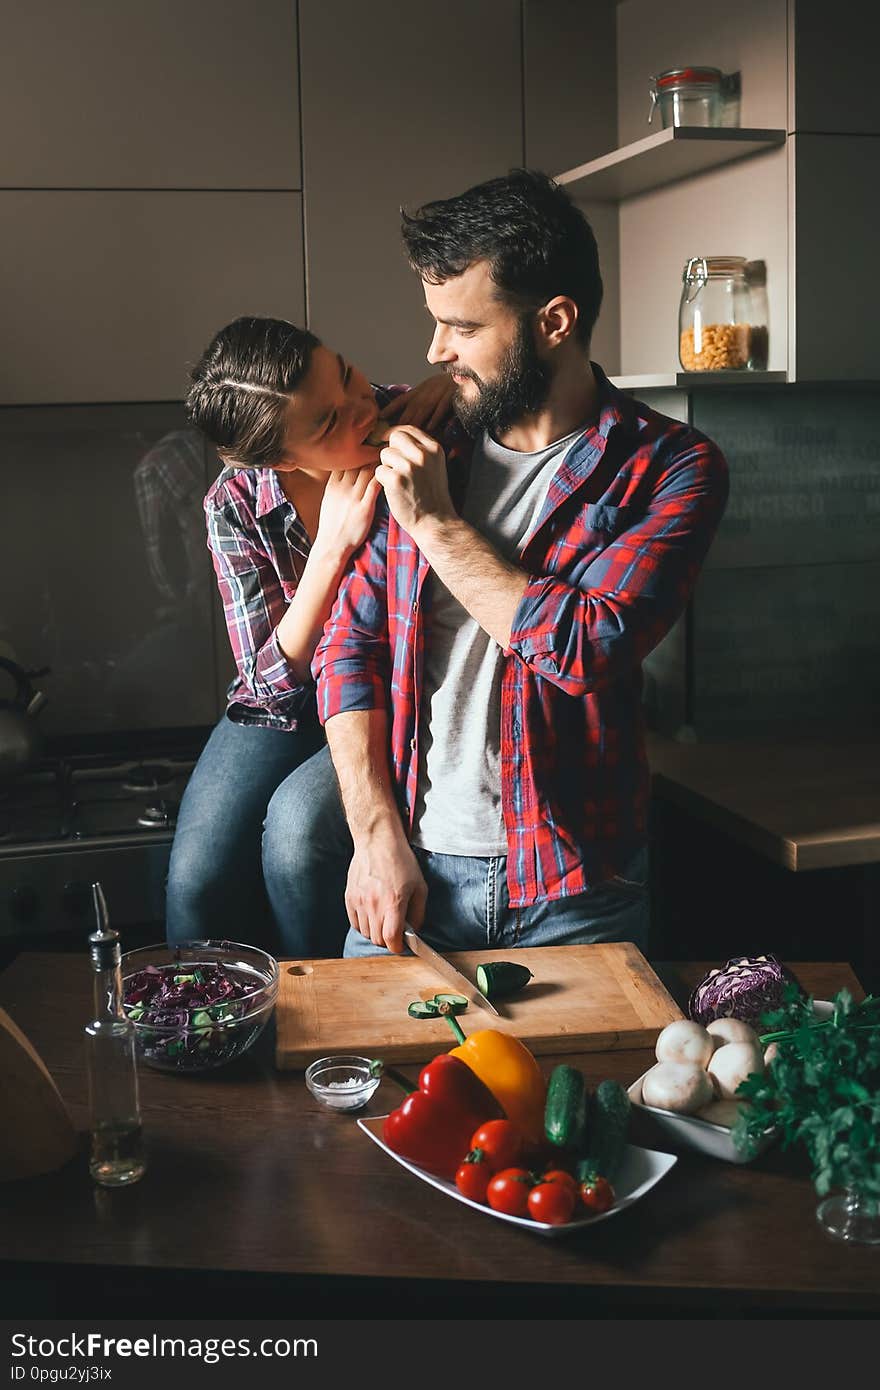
479	678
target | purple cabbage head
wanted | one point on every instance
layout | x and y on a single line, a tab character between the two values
745	988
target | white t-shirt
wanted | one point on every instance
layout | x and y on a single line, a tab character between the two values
458	804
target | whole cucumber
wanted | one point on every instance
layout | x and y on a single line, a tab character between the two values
565	1109
608	1123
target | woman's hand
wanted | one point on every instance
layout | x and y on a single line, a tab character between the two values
428	406
347	509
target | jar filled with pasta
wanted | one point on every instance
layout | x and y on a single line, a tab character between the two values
715	316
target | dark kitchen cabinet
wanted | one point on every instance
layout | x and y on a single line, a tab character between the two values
400	105
173	94
116	292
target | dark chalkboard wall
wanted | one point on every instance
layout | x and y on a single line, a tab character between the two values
785	623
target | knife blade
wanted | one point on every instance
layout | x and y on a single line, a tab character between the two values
447	970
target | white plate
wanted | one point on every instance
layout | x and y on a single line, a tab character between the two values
703	1135
639	1171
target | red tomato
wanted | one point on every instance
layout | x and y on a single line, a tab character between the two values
508	1191
552	1202
597	1194
560	1175
472	1179
500	1142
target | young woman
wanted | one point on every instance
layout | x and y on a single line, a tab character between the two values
299	430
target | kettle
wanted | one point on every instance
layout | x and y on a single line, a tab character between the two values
20	735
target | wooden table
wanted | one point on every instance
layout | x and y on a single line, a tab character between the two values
260	1203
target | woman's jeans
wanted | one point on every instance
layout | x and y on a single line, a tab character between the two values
256	858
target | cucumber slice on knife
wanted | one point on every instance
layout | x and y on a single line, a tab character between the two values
498	979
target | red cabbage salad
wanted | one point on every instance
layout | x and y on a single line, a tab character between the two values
187	1003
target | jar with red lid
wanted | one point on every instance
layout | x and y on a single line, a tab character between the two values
688	96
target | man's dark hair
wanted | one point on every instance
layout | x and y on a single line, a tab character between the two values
242	384
537	242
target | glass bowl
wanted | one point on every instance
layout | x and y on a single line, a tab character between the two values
188	1034
342	1083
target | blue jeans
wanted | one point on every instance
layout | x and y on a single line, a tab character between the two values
261	850
469	909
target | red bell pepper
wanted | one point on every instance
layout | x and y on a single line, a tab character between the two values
433	1126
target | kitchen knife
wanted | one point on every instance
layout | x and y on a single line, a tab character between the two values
448	971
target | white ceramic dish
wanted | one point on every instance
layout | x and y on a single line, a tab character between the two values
702	1135
640	1170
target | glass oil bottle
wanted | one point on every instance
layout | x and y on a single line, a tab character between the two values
117	1142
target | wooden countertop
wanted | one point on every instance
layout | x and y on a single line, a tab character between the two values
805	805
260	1203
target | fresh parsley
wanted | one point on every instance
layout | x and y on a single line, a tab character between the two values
821	1089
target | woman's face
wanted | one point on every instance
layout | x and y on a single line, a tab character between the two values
329	416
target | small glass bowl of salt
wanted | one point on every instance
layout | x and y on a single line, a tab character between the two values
343	1083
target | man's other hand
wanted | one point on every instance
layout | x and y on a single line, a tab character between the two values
385	890
413	475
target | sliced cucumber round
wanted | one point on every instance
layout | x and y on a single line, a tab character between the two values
423	1009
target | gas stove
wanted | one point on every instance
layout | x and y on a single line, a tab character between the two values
74	820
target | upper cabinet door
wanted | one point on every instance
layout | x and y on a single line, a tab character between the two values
400	104
111	296
165	94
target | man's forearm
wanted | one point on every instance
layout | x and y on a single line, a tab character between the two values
358	742
385	888
484	583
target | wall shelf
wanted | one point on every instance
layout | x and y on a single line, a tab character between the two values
663	158
687	381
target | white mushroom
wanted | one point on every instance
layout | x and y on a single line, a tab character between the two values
684	1041
680	1086
728	1030
732	1063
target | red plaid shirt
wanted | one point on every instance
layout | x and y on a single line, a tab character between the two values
611	563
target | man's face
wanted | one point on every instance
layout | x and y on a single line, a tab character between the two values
330	414
489	351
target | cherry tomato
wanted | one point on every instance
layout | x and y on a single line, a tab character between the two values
500	1142
472	1179
508	1191
597	1194
552	1202
560	1175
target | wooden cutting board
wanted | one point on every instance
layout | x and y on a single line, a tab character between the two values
581	999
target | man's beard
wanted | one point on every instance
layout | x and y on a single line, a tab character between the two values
520	388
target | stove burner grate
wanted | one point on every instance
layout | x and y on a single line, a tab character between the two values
148	777
162	816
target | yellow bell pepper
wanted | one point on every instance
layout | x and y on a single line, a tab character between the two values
511	1072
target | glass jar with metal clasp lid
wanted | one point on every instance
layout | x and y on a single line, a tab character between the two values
688	96
715	320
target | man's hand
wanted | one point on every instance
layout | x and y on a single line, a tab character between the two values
385	889
413	475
